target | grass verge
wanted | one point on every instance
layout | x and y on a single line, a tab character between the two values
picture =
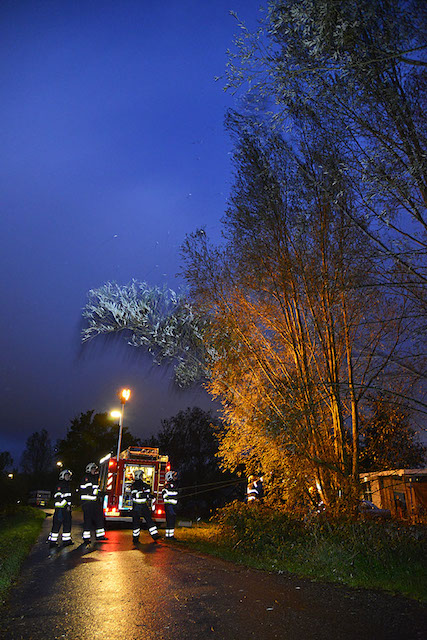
19	529
372	555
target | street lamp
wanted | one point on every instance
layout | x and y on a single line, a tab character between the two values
124	396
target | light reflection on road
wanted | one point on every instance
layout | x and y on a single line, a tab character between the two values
121	589
165	592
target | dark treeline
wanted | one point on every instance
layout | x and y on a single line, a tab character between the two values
188	439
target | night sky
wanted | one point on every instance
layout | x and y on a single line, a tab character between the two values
113	148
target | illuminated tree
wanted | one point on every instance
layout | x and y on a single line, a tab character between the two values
299	329
316	299
288	323
161	321
355	70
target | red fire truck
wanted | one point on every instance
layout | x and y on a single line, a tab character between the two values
116	478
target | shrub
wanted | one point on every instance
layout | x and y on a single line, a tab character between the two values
256	526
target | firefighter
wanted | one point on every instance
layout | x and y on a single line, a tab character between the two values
93	517
170	498
62	513
259	484
318	506
252	492
141	499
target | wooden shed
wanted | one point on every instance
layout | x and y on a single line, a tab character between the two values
403	491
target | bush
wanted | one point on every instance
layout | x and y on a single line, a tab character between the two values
256	526
363	553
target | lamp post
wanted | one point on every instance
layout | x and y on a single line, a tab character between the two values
124	396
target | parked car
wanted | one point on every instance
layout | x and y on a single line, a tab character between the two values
39	498
370	510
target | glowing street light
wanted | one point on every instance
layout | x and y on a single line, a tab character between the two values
59	464
124	396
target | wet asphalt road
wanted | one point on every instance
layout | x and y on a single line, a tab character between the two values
166	592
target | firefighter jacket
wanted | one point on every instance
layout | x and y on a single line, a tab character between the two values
141	492
260	488
62	495
89	488
252	492
170	493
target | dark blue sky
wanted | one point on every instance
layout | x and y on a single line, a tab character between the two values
113	148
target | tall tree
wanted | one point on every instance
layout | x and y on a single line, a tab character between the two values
189	440
356	69
161	321
8	489
389	439
298	327
6	461
37	458
318	295
90	437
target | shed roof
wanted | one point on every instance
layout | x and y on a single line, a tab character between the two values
410	473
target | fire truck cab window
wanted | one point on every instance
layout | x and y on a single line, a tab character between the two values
147	473
147	477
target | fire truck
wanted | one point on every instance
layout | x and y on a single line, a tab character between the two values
117	475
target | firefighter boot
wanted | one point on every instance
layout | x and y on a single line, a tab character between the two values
135	540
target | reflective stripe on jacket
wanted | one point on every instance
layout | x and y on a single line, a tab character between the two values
170	494
141	492
89	487
62	495
252	492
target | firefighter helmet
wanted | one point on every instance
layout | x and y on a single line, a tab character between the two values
64	473
171	475
139	474
92	467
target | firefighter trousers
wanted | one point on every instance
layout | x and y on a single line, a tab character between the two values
170	520
93	519
142	510
61	517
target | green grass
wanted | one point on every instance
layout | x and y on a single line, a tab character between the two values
19	529
372	555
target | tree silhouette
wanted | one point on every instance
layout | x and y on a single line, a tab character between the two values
189	439
389	440
90	437
37	458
